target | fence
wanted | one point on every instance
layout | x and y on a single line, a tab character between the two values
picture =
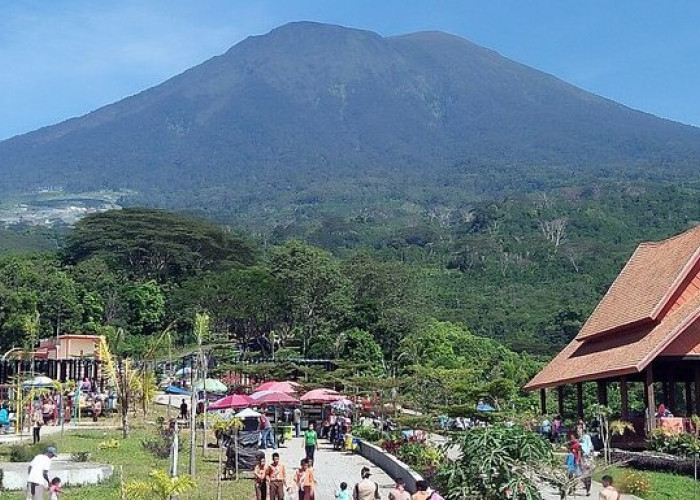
61	370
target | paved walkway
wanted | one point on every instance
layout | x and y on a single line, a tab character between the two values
48	430
551	493
332	468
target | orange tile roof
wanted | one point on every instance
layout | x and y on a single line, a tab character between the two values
686	344
644	286
619	353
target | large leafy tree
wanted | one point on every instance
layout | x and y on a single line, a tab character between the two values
152	244
315	290
144	307
455	366
34	285
382	300
360	347
247	304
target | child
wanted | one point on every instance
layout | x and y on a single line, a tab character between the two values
55	488
343	492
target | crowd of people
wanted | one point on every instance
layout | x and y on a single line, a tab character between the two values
334	427
273	479
52	407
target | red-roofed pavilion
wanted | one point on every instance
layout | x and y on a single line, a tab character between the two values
645	329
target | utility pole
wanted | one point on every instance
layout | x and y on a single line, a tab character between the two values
174	455
193	417
203	358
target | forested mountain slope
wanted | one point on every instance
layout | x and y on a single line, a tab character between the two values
331	115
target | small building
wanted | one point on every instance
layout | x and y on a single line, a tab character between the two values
645	330
67	347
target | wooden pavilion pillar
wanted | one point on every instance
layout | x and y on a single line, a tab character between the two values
560	397
602	392
624	399
650	401
688	398
696	373
672	393
543	401
579	400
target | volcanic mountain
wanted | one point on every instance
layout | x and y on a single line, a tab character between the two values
311	103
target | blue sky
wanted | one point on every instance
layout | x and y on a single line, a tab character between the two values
60	59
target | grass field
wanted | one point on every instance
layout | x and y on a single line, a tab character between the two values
136	464
664	486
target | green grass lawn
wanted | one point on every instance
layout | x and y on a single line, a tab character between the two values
664	486
136	463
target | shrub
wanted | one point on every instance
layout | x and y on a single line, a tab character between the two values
635	483
494	459
26	452
391	445
368	433
681	444
20	453
158	446
80	456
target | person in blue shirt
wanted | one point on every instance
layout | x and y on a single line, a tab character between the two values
4	419
342	493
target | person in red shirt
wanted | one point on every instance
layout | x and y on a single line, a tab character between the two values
575	448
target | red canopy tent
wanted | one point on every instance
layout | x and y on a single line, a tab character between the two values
286	387
232	401
272	398
321	396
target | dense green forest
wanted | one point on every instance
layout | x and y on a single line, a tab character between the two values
482	292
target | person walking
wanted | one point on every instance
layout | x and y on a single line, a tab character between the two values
608	492
366	489
425	493
310	442
38	474
184	414
586	461
398	492
276	478
305	481
266	433
37	422
342	493
296	419
260	475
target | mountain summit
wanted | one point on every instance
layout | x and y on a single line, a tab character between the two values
310	103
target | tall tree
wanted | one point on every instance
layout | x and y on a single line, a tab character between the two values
315	290
248	304
152	244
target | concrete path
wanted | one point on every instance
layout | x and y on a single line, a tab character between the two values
332	468
49	430
549	493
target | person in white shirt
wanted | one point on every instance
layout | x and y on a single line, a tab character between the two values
38	474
